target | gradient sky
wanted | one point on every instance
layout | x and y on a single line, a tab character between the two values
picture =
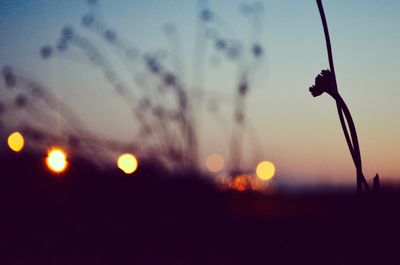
299	133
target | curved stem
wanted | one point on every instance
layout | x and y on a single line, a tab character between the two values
345	132
327	39
356	147
343	109
352	128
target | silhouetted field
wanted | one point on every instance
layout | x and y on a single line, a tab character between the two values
88	216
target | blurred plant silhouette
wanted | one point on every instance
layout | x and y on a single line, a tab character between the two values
326	82
166	108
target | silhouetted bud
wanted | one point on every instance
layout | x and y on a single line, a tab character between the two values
62	44
87	20
67	32
206	15
257	50
46	51
220	44
9	77
21	101
110	35
169	79
323	83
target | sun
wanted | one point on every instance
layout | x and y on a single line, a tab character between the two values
265	170
127	163
56	160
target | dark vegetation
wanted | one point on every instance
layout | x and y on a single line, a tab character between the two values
95	217
168	106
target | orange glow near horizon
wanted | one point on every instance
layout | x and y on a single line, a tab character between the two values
16	141
127	163
215	163
56	160
265	170
241	183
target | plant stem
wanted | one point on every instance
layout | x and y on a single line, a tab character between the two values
343	109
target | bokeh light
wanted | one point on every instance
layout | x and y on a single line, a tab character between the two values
265	170
241	183
127	163
56	160
215	163
16	141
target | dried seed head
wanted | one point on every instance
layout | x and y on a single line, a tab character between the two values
170	79
220	44
323	83
46	51
153	65
21	101
87	20
67	32
110	35
257	50
9	77
243	88
206	15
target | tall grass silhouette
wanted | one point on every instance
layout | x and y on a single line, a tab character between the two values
167	108
326	82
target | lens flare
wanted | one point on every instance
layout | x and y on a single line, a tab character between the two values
265	170
215	163
16	141
57	160
127	163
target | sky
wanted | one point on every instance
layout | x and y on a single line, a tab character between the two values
300	134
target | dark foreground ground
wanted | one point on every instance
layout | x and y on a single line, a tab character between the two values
87	217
